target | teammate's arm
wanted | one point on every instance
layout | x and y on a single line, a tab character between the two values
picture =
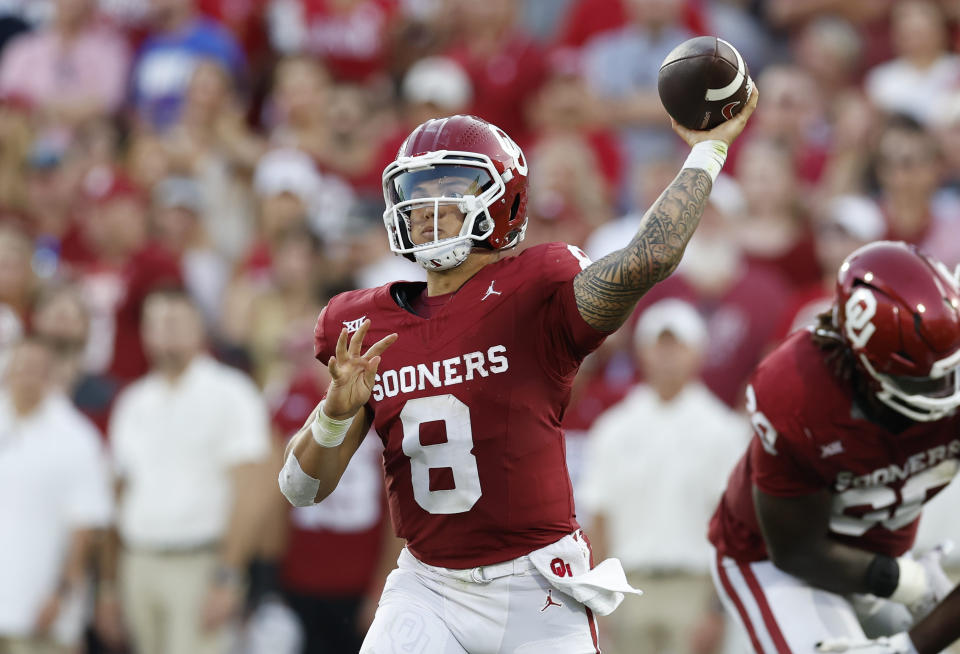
353	374
796	531
939	629
607	290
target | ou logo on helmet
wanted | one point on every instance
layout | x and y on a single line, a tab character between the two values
511	148
860	309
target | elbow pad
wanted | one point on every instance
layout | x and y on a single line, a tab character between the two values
298	487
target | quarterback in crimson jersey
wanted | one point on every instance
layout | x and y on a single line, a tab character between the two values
465	379
495	362
856	428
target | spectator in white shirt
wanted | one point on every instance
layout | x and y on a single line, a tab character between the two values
656	463
924	67
190	441
54	495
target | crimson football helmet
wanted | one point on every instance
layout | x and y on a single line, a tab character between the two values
898	310
459	162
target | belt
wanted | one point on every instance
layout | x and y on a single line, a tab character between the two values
483	574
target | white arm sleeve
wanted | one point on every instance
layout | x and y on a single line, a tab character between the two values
298	487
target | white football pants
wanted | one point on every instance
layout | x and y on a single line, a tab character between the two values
781	614
511	609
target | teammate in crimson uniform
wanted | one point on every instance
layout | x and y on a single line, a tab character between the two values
466	377
856	427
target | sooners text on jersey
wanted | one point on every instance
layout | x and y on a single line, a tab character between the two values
809	437
468	405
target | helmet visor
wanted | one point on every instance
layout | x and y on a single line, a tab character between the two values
926	386
921	398
444	182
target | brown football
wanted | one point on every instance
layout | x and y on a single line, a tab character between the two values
703	82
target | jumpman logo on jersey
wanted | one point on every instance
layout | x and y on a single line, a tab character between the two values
353	325
550	602
490	292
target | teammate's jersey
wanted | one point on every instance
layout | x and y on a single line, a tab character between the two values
469	404
809	436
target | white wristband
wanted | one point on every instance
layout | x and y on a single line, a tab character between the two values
912	585
708	156
328	432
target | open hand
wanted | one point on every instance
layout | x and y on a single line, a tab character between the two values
353	373
726	131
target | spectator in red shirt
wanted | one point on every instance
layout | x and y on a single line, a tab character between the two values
504	63
125	267
352	38
774	231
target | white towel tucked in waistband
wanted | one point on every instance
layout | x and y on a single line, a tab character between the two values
566	566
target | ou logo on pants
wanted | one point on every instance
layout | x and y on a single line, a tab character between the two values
561	568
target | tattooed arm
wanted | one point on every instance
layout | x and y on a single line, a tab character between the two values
608	289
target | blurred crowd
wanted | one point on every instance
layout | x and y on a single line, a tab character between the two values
185	183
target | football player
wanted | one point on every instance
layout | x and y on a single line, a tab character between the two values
856	427
465	379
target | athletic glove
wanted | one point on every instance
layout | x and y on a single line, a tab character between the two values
923	583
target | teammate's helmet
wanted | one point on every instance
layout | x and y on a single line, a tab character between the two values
462	161
897	310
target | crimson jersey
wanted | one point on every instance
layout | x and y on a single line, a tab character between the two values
468	405
811	437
